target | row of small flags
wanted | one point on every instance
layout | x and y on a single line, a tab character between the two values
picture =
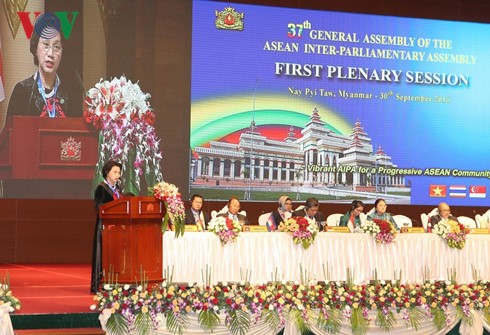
457	191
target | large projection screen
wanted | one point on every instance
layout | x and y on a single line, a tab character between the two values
338	105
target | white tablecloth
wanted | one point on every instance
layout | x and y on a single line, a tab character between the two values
5	323
426	326
263	255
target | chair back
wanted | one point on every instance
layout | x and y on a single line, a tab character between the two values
479	220
299	208
371	211
263	218
402	221
363	217
483	221
424	218
433	212
467	221
334	219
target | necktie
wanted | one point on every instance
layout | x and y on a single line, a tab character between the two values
197	218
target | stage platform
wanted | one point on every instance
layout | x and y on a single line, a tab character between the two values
53	296
56	299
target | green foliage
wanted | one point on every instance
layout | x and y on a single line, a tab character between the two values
439	318
296	316
177	324
143	323
486	313
386	323
332	324
416	316
165	221
179	226
272	319
240	322
116	325
208	319
358	322
464	319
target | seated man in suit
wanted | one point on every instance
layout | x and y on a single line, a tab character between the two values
195	215
444	215
310	211
233	208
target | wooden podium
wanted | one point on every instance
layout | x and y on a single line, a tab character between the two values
132	239
33	147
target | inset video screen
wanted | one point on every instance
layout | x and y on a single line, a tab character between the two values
343	106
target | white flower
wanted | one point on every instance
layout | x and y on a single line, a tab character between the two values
107	287
215	308
93	307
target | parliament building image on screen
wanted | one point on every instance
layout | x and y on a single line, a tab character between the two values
342	106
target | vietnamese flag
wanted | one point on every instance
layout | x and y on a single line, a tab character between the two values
437	191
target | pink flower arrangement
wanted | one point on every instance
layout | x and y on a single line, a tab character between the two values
383	231
122	114
303	230
226	229
175	215
453	232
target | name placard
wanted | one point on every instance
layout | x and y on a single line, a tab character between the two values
337	229
190	227
412	230
254	229
479	231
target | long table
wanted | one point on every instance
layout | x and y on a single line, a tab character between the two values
261	257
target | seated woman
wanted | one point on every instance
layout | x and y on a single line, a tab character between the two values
282	213
380	213
351	219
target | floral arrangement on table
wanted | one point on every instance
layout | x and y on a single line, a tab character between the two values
131	310
302	229
326	305
7	298
226	229
453	232
383	231
175	210
119	110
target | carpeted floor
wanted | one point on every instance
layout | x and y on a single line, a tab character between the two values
50	288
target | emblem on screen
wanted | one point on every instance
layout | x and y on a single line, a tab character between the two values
229	19
11	9
71	150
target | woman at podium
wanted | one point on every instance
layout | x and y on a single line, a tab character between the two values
44	93
108	190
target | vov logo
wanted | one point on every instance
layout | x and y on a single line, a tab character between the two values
57	19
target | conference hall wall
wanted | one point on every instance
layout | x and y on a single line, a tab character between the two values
335	117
